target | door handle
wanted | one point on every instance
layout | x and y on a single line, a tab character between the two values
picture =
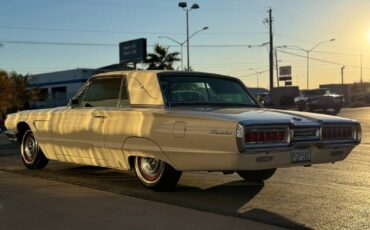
100	116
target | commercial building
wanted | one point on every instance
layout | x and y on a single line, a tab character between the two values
58	87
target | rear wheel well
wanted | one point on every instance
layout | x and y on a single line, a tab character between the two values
131	162
22	127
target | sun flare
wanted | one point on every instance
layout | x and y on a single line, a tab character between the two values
368	36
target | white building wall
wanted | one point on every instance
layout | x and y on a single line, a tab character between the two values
71	80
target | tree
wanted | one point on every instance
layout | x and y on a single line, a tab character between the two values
5	92
14	94
161	58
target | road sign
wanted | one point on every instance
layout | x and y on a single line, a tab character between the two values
132	51
285	78
285	70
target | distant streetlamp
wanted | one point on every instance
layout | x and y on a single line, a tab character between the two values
342	73
257	74
308	54
185	7
181	44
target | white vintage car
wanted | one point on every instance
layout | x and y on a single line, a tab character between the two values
161	123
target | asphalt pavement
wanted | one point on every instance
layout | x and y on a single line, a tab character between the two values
33	203
327	196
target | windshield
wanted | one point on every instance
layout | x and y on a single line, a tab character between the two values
203	89
317	92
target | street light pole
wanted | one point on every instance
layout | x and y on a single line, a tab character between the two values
181	44
308	51
257	74
187	40
342	73
308	66
184	5
178	43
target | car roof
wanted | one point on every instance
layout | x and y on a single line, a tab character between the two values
156	72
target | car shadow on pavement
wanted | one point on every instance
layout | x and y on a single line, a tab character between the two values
228	199
221	197
261	215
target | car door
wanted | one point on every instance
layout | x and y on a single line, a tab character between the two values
78	130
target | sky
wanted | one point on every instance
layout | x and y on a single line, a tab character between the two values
90	31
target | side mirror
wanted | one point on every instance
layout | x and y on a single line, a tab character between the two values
74	102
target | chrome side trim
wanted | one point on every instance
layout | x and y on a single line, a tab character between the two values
317	144
305	133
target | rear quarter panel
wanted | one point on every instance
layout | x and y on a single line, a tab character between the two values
173	138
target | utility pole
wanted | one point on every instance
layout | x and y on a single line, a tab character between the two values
277	68
361	70
271	53
341	71
187	40
271	57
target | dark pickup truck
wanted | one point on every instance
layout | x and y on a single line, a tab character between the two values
318	99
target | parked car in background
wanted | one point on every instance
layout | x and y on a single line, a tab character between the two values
319	99
363	96
160	123
265	98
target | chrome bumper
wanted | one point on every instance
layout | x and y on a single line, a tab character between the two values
12	137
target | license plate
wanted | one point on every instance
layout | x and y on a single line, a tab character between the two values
301	155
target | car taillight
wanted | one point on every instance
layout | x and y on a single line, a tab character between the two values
333	133
266	135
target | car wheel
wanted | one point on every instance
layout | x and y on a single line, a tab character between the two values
156	174
337	109
307	107
256	175
32	155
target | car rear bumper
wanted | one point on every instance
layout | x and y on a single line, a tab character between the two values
255	160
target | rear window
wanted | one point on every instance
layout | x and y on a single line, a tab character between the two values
203	89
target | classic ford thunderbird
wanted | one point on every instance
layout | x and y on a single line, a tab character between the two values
160	123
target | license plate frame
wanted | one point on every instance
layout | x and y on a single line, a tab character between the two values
300	155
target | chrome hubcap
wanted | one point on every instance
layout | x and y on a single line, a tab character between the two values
150	169
150	165
30	148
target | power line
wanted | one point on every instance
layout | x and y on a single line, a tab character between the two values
58	43
325	52
120	32
321	60
115	45
81	31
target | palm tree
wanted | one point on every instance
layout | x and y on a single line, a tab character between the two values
161	58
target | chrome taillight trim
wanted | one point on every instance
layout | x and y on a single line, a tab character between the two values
285	142
352	136
358	132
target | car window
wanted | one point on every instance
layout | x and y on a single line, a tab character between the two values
102	92
124	95
204	90
315	92
80	96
